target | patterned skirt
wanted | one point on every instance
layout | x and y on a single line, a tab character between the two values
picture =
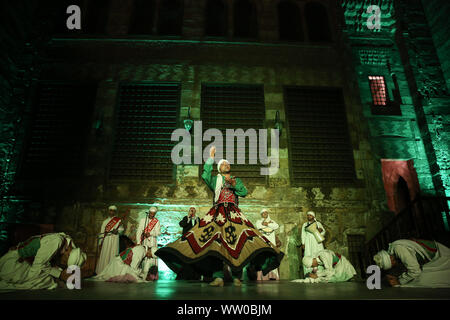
223	236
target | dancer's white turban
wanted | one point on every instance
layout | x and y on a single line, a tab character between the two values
76	257
219	181
383	260
307	261
112	208
264	210
153	209
220	163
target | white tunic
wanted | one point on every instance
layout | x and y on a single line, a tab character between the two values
312	247
434	274
269	232
326	272
151	241
39	275
109	244
117	267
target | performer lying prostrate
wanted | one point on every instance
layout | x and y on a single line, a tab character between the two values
223	236
39	262
331	267
416	263
128	266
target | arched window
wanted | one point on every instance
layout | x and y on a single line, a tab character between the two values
245	19
142	18
317	22
289	21
216	19
170	18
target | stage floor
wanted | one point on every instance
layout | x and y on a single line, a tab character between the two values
187	290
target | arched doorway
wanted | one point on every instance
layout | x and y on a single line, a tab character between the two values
402	196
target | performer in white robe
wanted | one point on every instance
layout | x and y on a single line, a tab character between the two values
267	227
36	263
331	267
127	267
109	239
147	234
426	263
309	243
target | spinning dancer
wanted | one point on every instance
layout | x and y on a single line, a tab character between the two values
223	236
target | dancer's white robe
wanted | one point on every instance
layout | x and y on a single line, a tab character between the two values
270	235
39	275
434	274
117	267
109	244
151	241
312	247
326	272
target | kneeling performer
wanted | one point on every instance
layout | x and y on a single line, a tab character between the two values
416	263
39	262
328	267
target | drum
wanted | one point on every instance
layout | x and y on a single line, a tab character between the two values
312	228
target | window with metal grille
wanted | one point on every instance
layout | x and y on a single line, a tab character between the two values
378	90
233	106
320	148
147	116
56	143
355	251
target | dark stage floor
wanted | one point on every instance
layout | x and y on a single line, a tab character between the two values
185	290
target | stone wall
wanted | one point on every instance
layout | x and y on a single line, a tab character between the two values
192	60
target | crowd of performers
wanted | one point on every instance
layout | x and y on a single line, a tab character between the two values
220	245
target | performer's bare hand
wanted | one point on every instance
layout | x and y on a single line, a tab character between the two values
265	224
303	246
313	275
320	229
147	234
64	275
115	231
393	281
212	151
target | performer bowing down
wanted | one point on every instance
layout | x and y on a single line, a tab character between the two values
128	266
223	236
416	263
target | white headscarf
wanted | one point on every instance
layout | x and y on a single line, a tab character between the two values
307	261
219	181
268	215
153	209
112	208
383	260
311	213
76	257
